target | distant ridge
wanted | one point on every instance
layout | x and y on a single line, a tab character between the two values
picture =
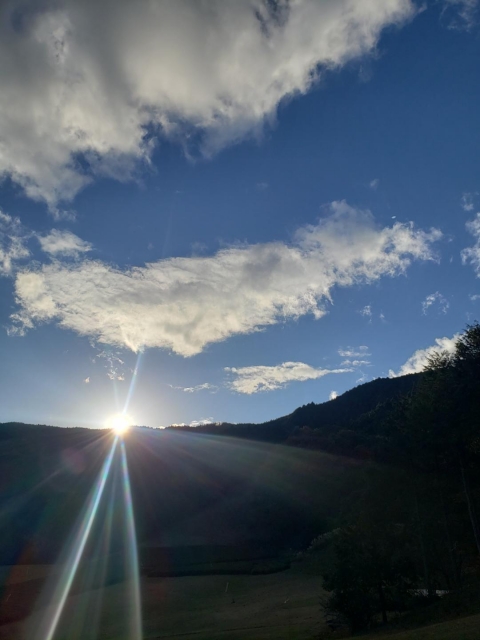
342	412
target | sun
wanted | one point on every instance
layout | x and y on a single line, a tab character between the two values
120	423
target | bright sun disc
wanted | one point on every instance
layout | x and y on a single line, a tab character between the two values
119	423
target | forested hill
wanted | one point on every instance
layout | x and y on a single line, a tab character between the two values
355	408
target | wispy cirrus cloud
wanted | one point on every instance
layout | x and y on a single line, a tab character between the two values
463	14
471	255
354	352
435	299
13	243
419	359
366	312
184	304
88	87
113	363
254	379
206	386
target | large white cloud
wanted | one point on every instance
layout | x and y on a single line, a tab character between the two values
183	304
263	378
419	359
86	85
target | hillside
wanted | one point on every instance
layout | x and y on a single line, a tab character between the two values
353	407
187	489
47	472
389	470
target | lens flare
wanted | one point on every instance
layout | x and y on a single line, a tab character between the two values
119	423
132	555
66	579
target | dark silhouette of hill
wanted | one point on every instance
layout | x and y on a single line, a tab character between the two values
46	474
351	408
188	490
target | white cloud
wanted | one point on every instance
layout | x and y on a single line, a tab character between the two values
88	87
363	378
355	363
366	312
63	243
262	378
193	423
472	254
352	352
467	201
419	359
333	395
374	184
200	423
13	239
435	298
206	386
474	296
183	304
112	362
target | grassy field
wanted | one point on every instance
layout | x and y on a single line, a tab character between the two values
280	606
462	629
283	606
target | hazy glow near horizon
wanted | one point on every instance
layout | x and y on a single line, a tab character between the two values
119	423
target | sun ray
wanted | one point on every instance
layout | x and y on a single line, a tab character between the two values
132	560
47	630
133	382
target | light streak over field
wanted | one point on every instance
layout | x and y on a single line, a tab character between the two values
132	560
66	579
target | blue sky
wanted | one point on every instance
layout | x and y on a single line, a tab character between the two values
223	211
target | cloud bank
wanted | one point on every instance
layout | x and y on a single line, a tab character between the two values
419	359
184	304
88	87
262	378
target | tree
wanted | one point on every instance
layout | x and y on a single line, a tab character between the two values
373	573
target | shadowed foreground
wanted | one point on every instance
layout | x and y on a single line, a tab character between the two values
462	629
281	605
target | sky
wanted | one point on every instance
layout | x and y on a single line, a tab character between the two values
220	210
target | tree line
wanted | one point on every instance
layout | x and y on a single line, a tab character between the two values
412	530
